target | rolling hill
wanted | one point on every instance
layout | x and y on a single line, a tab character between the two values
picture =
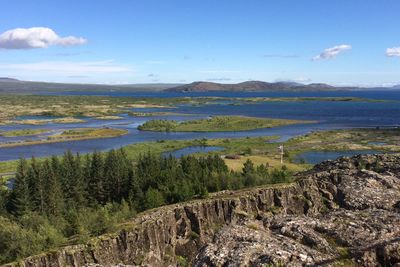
9	85
255	86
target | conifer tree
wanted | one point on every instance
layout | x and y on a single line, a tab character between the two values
80	185
53	196
126	170
96	185
56	167
248	172
135	194
35	184
112	176
3	197
72	180
20	194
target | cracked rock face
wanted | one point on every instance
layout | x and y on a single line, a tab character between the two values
337	237
360	224
341	213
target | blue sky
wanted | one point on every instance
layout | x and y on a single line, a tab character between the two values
340	42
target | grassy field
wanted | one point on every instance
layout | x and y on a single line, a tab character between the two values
387	140
88	132
215	124
24	132
72	135
272	161
261	150
69	106
42	121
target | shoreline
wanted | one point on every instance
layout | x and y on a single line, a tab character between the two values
50	141
219	124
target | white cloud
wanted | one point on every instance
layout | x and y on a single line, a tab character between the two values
65	68
332	52
37	37
393	52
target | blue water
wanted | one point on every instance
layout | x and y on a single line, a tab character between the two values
328	116
191	150
35	117
10	183
377	143
315	157
373	94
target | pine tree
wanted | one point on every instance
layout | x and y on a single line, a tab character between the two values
87	160
80	185
53	196
72	179
112	176
35	184
148	169
56	167
248	167
248	172
135	195
126	171
20	194
96	185
3	197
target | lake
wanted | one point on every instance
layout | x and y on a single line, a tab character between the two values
315	157
329	114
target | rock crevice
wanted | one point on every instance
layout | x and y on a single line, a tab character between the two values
343	211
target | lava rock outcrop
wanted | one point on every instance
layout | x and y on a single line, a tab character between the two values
341	213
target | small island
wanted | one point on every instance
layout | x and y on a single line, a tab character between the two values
39	121
69	135
24	132
216	124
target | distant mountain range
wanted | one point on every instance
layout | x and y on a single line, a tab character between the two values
255	86
10	85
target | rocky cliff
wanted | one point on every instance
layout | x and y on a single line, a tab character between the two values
344	212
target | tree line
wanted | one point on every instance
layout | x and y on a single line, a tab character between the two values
68	199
